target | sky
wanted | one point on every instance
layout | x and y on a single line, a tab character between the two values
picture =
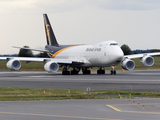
132	22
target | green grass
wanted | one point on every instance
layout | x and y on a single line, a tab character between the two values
26	94
39	66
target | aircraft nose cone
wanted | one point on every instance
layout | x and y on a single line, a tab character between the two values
119	56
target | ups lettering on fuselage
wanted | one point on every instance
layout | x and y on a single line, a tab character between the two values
93	49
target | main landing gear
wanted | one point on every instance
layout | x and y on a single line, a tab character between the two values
100	71
65	71
75	71
86	71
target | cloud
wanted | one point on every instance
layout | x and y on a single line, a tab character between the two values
39	6
126	4
10	6
133	22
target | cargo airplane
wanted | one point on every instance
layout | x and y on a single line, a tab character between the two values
80	57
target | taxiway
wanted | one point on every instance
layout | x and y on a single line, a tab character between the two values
81	110
147	80
110	109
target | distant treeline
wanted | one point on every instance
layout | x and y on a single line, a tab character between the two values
14	55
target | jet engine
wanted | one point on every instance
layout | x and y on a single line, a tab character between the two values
128	64
147	61
13	64
51	66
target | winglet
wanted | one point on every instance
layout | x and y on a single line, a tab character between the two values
51	39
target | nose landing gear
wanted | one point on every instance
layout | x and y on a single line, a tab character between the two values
113	71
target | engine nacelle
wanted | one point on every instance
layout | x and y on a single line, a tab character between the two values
128	64
147	61
13	64
51	66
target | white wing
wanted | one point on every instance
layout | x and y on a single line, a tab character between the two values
141	55
60	61
40	50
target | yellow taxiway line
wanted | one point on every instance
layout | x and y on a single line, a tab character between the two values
114	108
58	116
141	112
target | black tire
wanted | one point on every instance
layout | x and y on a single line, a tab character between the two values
103	71
88	72
65	72
74	72
68	72
111	72
85	72
98	71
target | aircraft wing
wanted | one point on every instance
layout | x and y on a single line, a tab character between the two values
141	55
31	49
59	61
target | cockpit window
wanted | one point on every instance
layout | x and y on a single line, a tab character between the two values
113	44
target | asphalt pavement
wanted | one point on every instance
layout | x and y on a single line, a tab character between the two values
147	80
110	109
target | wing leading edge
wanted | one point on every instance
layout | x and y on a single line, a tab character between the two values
59	61
141	55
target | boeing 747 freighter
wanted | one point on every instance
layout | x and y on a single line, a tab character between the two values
80	57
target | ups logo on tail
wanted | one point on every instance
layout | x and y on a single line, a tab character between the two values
47	32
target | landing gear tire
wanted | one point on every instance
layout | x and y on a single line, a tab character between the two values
113	72
86	72
65	72
100	71
74	72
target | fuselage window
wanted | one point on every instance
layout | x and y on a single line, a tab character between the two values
113	44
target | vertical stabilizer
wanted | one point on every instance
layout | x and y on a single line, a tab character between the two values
51	39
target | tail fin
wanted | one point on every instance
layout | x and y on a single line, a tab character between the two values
51	39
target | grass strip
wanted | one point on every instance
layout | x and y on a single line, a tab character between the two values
26	94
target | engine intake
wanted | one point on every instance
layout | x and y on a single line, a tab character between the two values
13	64
147	61
128	64
51	66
